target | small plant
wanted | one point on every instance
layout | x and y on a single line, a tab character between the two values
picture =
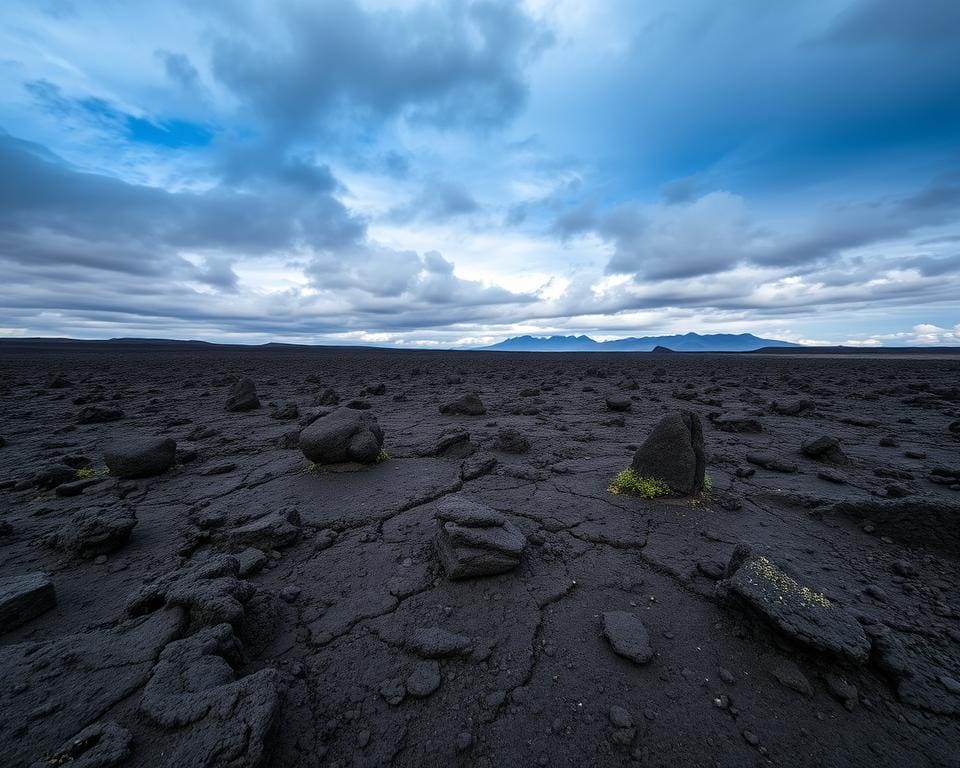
84	473
382	457
707	485
312	467
629	483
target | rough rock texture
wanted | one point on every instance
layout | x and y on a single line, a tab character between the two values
474	540
796	609
101	745
135	457
627	636
242	397
468	405
23	598
94	531
358	604
219	721
344	435
673	453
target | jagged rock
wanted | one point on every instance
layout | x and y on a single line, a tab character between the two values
242	397
251	561
511	441
628	636
273	531
137	457
78	677
94	531
285	411
219	721
771	462
97	414
477	465
825	448
468	405
210	592
327	397
673	453
23	598
918	679
797	610
453	445
342	436
474	540
101	745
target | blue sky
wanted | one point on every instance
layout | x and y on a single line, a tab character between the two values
452	173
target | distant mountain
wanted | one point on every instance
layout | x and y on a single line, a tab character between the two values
688	342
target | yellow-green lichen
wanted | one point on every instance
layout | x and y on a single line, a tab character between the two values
630	483
765	569
382	457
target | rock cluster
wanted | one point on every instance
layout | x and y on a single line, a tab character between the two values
474	540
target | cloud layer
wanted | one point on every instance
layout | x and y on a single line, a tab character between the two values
451	173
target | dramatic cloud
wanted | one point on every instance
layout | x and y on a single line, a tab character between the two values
449	173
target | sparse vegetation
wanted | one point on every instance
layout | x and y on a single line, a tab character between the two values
707	485
764	568
85	473
312	467
382	457
630	483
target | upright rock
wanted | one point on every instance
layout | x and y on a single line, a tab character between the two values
344	435
673	453
243	396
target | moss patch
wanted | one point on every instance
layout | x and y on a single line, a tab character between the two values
630	483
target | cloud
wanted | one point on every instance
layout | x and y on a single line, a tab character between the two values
438	200
458	64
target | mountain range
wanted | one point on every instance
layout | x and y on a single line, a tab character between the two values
687	342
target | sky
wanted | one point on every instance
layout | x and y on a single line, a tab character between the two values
445	174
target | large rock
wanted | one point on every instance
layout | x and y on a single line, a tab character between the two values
243	396
474	540
673	453
468	405
825	448
215	718
94	531
140	457
344	435
23	598
797	610
101	745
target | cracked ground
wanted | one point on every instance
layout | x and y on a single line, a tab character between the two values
529	678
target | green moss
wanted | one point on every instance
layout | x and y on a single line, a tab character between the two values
382	457
312	467
630	483
85	473
707	485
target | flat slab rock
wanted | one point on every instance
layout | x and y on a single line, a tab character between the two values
23	598
628	636
796	610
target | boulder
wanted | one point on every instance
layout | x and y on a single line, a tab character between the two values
673	453
468	405
474	540
243	396
618	403
511	441
825	448
793	407
344	435
276	530
23	598
140	457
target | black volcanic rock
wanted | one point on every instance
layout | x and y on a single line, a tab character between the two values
344	435
511	441
468	405
97	414
618	403
101	745
673	453
243	396
136	457
628	636
825	448
474	540
94	531
23	598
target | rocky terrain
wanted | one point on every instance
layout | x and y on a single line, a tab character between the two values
332	557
